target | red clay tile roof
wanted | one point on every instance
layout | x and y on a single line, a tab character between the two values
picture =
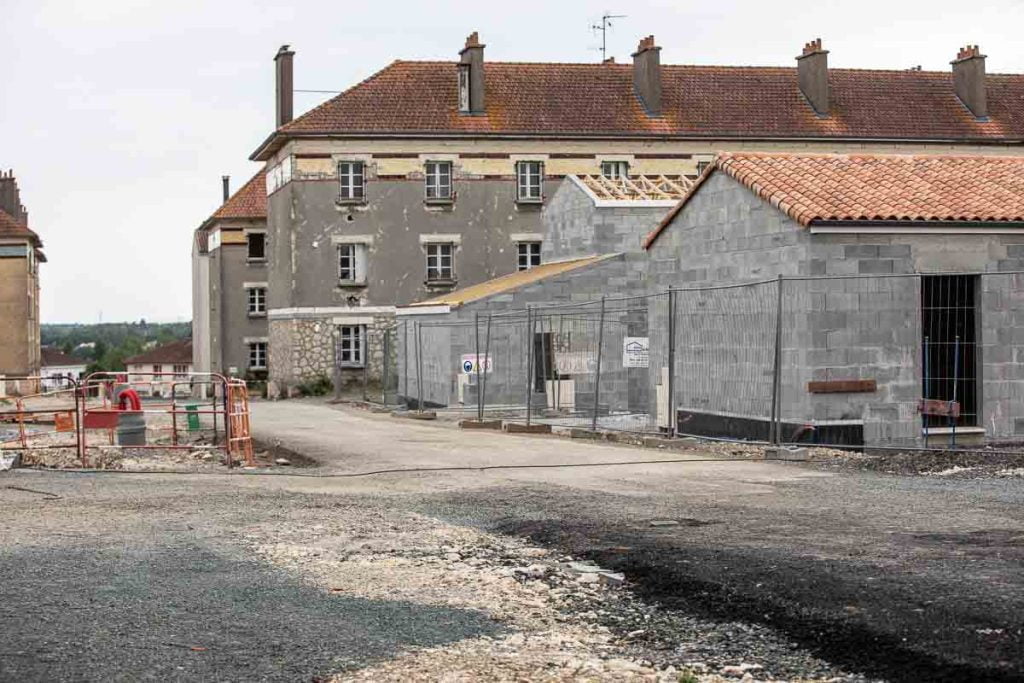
250	201
9	227
178	352
822	188
698	101
52	356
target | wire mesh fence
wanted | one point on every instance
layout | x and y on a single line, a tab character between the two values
903	361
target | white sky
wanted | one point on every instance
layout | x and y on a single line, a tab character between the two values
119	118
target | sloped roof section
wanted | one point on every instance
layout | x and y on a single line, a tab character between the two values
826	188
507	283
178	352
250	201
410	97
55	357
9	227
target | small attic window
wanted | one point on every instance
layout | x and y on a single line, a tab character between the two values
463	87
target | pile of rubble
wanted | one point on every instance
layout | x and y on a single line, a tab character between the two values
566	620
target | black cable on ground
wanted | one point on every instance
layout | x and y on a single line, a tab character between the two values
405	470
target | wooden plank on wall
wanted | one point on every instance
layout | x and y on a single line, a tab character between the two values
843	386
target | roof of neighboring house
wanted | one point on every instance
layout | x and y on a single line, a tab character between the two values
9	227
507	283
890	188
250	201
179	352
53	357
538	99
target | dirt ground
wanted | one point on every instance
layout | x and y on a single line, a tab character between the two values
418	551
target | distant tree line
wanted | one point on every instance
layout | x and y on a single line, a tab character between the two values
113	342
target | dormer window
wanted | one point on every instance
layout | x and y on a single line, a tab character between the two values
464	88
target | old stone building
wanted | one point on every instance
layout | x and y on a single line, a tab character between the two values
21	252
430	176
229	285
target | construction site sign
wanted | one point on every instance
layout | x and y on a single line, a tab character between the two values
470	364
636	352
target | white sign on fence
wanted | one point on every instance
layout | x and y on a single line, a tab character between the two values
469	364
635	352
575	362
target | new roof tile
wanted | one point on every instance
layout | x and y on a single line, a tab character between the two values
822	188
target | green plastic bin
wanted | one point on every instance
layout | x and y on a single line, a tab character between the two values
192	417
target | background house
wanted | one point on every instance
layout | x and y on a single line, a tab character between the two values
21	252
56	364
161	370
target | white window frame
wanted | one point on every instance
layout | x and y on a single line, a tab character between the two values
352	181
180	370
615	169
348	262
437	184
526	253
248	247
436	262
256	300
701	165
530	181
257	350
351	346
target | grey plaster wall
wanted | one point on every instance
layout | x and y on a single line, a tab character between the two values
305	215
230	323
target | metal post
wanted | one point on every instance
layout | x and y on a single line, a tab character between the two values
956	381
405	361
529	364
419	367
384	375
558	377
775	428
476	330
597	377
924	415
670	407
487	356
545	371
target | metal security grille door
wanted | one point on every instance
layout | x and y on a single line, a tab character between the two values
440	262
950	350
438	180
350	180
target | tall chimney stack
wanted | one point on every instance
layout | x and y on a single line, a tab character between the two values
969	80
225	181
812	74
471	75
647	75
285	85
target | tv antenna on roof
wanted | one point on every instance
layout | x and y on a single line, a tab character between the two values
606	23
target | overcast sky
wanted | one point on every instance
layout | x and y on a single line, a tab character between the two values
119	118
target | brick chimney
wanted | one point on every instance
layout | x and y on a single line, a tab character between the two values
225	182
647	75
969	80
812	74
285	85
471	76
10	198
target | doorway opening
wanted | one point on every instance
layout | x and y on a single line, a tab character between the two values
949	329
